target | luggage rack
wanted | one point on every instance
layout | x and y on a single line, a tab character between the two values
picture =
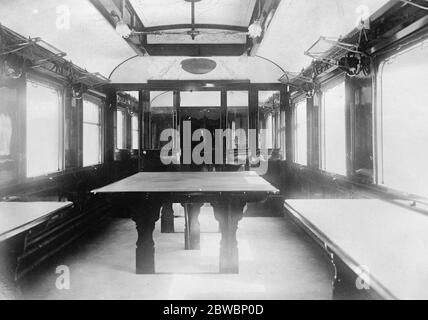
329	50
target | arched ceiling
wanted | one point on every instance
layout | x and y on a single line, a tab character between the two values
142	69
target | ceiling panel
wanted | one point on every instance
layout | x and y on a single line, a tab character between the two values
170	12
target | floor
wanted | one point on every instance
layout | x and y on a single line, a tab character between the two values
277	261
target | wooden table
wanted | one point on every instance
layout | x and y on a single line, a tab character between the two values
386	240
228	193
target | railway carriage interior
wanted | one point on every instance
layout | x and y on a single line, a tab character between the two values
213	149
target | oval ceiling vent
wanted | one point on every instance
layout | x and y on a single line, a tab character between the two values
198	66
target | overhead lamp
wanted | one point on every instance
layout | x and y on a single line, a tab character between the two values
121	27
123	30
255	29
198	65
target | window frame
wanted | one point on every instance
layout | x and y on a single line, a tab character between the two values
101	105
296	102
330	84
275	121
137	116
60	89
124	131
378	107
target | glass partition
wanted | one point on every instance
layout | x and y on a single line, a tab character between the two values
200	99
162	116
237	119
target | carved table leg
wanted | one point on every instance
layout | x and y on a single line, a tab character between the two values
167	218
145	213
192	232
228	214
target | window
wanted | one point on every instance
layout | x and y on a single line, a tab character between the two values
333	130
92	131
127	103
135	132
272	120
8	98
44	129
120	130
300	133
282	133
9	145
403	121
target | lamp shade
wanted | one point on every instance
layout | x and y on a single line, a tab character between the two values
123	30
255	30
198	66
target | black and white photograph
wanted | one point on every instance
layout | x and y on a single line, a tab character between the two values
213	156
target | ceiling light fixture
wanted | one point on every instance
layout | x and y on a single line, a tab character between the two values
255	30
198	66
121	27
123	30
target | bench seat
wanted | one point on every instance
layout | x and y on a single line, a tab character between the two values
383	243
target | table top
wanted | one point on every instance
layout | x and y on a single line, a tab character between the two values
190	182
16	217
389	240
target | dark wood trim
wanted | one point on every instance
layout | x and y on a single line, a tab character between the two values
349	108
196	50
185	85
225	27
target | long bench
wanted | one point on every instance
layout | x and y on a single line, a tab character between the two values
26	228
376	246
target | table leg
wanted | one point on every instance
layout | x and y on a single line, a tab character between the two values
167	218
192	232
145	214
228	215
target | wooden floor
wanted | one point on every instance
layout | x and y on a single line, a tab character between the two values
277	261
